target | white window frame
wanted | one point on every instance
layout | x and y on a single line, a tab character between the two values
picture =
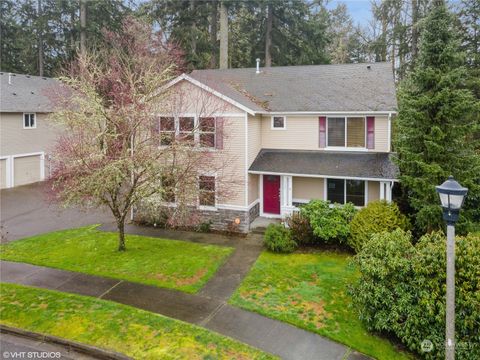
207	207
365	196
34	121
345	148
196	129
278	128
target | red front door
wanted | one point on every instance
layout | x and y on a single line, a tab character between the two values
271	194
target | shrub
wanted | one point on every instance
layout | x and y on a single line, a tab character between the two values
277	239
300	229
401	290
330	223
376	217
205	227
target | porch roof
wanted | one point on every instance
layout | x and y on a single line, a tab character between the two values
367	165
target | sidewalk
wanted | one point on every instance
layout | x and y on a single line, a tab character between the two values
207	309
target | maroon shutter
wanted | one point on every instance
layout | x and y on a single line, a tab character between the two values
219	133
322	131
370	132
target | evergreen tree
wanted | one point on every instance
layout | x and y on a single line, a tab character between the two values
436	123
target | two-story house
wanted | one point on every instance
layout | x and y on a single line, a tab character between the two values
292	134
25	135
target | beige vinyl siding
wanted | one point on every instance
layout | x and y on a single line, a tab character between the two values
26	170
381	134
253	194
232	163
254	137
3	173
305	188
373	191
302	134
15	140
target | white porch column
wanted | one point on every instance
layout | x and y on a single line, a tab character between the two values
286	197
386	190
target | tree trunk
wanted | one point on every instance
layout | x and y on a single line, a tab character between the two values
223	36
40	38
72	34
193	40
83	25
384	32
213	33
121	234
268	36
414	46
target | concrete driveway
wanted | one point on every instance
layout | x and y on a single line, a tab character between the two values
25	211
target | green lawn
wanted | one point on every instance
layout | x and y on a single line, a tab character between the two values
310	291
166	263
136	333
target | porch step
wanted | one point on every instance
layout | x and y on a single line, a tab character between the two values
259	230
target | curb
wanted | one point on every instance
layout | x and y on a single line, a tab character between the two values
93	351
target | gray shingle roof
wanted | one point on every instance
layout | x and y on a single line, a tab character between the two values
26	93
329	163
342	87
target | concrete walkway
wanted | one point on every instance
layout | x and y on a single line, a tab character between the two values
207	309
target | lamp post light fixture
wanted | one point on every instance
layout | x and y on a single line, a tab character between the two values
452	195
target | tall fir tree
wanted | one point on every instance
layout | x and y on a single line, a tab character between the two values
436	123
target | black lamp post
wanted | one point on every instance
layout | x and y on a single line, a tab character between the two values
452	195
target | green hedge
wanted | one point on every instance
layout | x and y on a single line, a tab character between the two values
376	217
401	290
277	239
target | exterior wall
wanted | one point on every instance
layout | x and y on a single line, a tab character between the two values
373	191
253	183
302	134
254	137
14	139
305	188
381	134
3	173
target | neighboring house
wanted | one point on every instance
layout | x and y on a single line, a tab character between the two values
293	134
25	136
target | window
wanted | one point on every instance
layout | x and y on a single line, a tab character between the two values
186	129
279	122
167	130
206	187
168	186
29	121
342	191
207	129
346	132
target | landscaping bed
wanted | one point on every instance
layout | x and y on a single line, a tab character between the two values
165	263
310	290
133	332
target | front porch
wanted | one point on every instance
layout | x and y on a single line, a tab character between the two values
280	195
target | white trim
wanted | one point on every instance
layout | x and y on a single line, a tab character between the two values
208	89
34	121
8	171
278	128
366	193
301	201
389	144
260	192
322	176
342	113
246	160
238	207
207	207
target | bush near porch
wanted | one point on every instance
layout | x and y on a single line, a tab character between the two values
401	290
137	333
310	290
166	263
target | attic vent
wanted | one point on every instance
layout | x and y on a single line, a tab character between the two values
28	76
44	78
14	94
32	92
369	67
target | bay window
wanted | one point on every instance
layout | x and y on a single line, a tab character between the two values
346	132
345	190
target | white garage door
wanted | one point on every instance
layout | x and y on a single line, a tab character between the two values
26	170
3	173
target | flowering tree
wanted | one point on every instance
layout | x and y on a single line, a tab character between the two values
110	152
